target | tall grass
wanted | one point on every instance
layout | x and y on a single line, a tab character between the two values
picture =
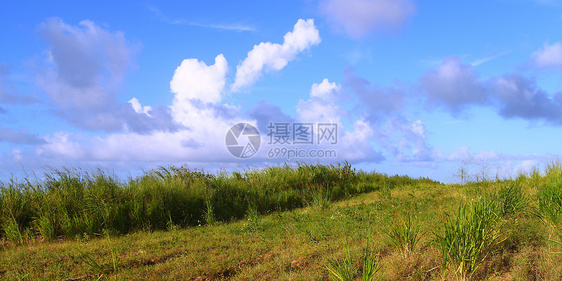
469	237
76	203
550	200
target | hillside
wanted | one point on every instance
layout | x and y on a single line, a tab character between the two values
282	223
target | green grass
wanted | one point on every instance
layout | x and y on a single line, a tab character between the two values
405	234
308	222
72	203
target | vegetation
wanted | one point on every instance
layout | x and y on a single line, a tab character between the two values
309	222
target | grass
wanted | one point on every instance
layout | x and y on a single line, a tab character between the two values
469	238
71	203
405	234
281	223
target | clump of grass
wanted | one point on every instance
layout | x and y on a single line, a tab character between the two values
550	207
345	270
320	200
510	199
469	238
45	227
209	213
405	235
253	220
342	269
13	231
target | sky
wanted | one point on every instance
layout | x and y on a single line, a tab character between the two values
417	88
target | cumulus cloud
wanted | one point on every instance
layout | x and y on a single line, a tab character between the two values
355	145
193	79
204	117
323	104
358	18
549	57
454	86
138	108
520	97
269	56
85	67
21	136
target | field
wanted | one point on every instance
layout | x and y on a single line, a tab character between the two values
309	222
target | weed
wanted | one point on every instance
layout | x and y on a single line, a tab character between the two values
405	235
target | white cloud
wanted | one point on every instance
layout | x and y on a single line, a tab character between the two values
324	90
322	105
549	57
63	145
194	80
198	105
355	145
138	108
358	18
269	56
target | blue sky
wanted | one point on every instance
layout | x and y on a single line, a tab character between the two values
414	87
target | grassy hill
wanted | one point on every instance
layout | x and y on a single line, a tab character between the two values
310	222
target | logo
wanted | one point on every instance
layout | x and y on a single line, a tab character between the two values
243	140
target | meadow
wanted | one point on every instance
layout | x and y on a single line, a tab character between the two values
304	222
